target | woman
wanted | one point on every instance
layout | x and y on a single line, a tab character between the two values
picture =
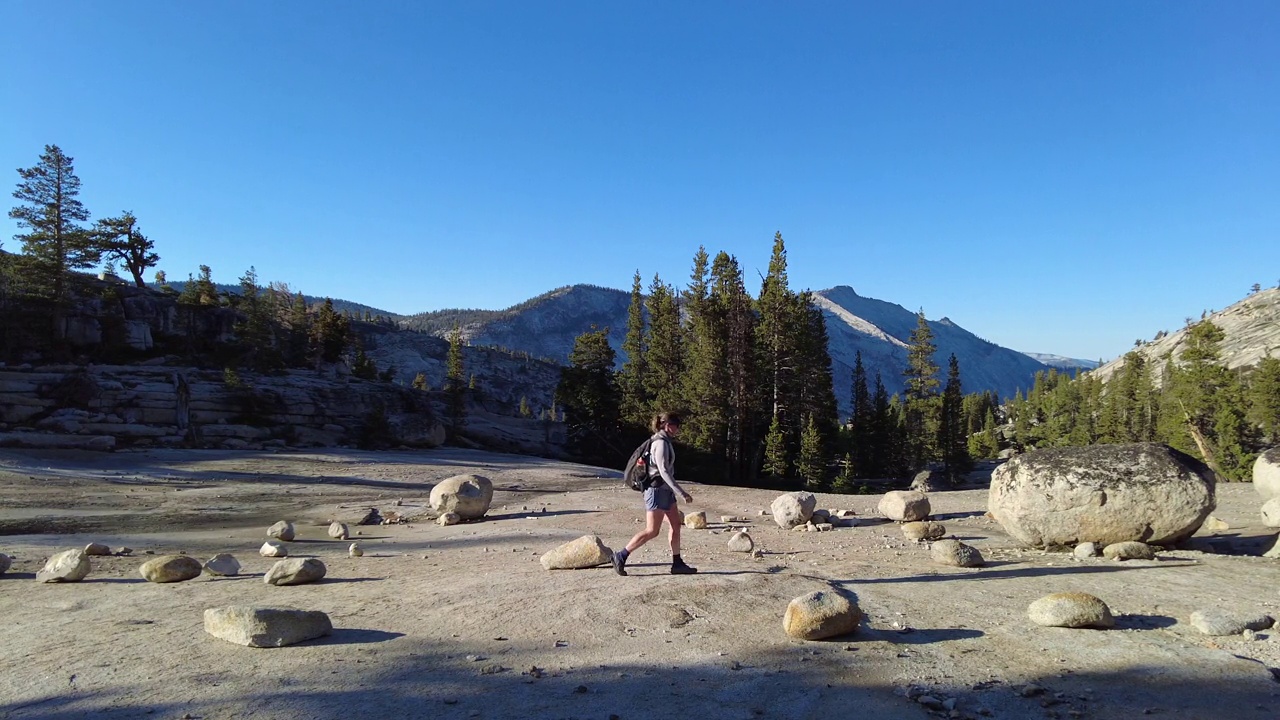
660	497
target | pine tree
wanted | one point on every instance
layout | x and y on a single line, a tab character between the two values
952	439
1208	400
1264	399
861	421
881	458
664	367
588	392
734	308
453	383
811	465
299	335
705	382
845	481
56	242
420	383
775	341
330	333
525	412
776	463
921	407
120	239
255	329
636	402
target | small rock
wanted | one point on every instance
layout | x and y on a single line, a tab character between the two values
271	548
822	527
1222	622
917	530
222	564
732	519
355	550
295	571
170	568
741	542
822	614
96	549
338	531
1031	690
930	702
1071	610
1214	525
262	627
66	566
5	563
696	520
123	551
449	518
955	553
1086	550
1130	550
282	530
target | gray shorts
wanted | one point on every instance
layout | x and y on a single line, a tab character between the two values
661	497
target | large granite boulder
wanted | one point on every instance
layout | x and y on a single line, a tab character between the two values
793	509
585	552
66	566
1266	474
295	571
170	568
905	505
265	626
1102	493
822	614
467	495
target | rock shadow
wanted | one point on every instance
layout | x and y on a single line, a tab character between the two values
1144	622
356	636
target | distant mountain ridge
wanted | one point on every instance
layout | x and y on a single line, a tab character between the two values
1063	363
547	325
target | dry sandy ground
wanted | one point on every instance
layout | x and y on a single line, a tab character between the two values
463	622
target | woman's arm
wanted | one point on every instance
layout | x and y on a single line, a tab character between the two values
658	452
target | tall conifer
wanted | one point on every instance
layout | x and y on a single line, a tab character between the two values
920	407
631	380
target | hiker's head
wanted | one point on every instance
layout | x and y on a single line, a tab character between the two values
666	421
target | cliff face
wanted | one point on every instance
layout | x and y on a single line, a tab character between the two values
1251	330
105	407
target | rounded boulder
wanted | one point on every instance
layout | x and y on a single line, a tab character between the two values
170	568
793	509
468	496
1071	610
584	552
66	566
821	614
1266	474
295	571
1102	493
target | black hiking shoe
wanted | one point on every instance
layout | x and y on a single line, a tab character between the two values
680	568
619	565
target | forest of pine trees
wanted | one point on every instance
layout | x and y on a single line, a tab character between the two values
753	378
1225	417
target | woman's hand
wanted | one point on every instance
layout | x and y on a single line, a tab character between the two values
687	497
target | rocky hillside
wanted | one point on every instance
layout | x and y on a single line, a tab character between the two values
1251	327
546	327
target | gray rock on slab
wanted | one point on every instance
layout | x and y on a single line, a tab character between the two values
1131	550
1102	493
282	530
170	568
741	542
956	554
1217	621
467	495
97	549
904	505
66	566
793	509
923	530
584	552
271	548
1214	525
338	531
355	550
1271	513
1266	474
449	518
5	563
696	520
265	627
1087	550
929	481
822	614
1223	622
295	571
1071	610
222	564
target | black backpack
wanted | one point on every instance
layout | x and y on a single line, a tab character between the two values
636	473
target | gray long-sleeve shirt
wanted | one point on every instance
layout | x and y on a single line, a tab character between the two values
663	454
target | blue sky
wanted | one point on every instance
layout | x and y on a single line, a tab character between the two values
1055	177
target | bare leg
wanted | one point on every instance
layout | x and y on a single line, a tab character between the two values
673	517
652	526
